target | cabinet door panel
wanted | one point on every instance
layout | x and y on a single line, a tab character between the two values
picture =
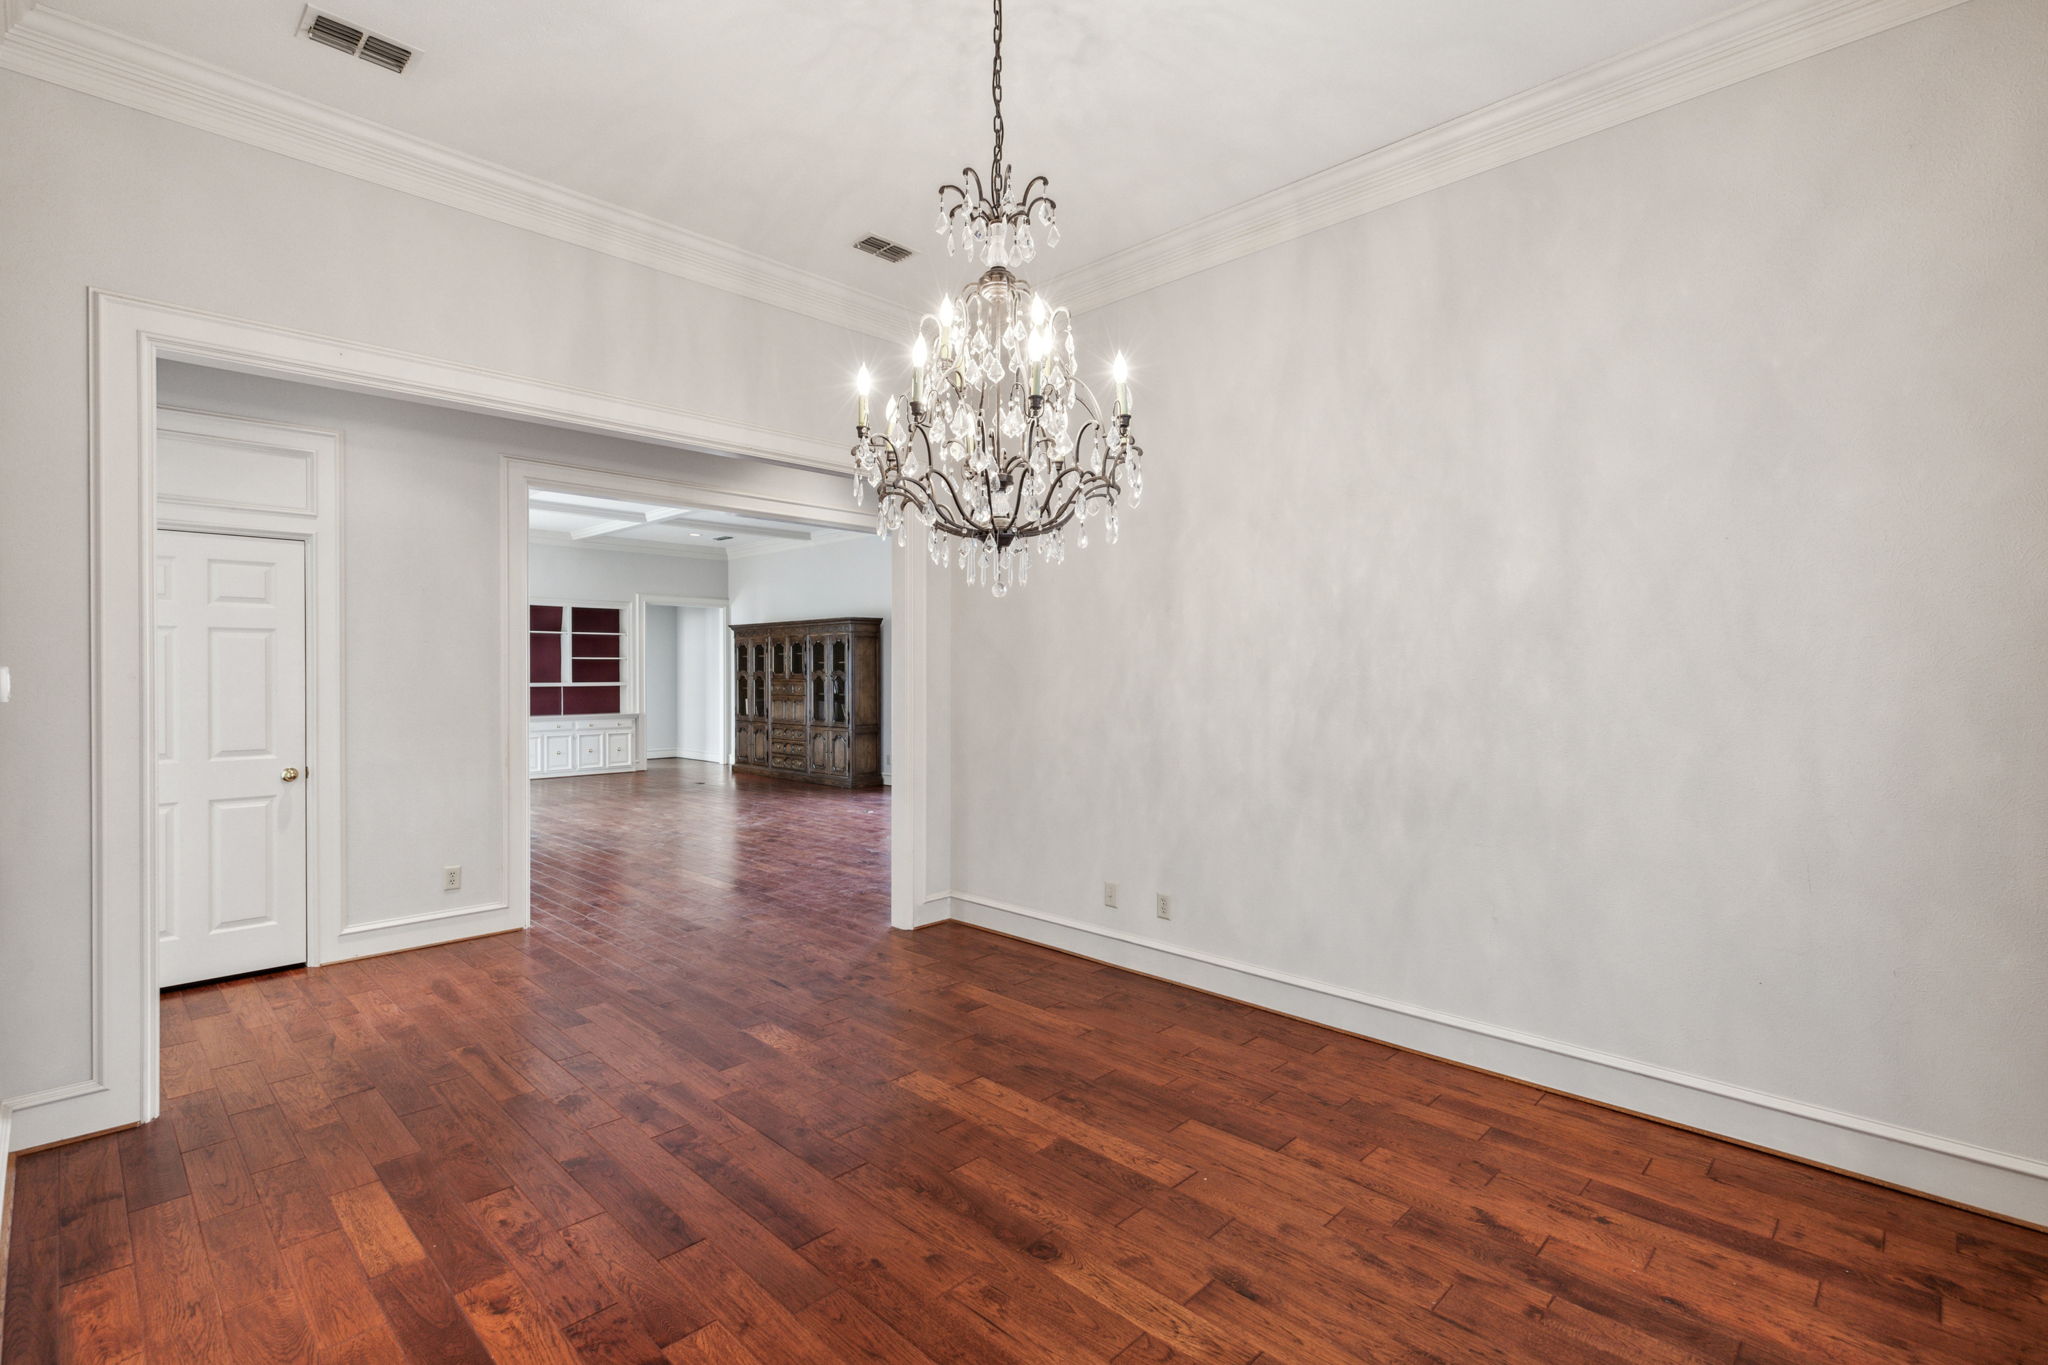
618	748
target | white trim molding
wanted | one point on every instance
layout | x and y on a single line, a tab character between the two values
11	13
84	56
2001	1182
1745	42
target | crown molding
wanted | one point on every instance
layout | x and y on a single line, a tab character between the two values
86	57
1746	42
11	12
612	545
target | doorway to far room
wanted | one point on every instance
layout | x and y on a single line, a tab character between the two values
707	703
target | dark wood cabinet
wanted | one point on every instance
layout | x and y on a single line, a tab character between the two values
808	700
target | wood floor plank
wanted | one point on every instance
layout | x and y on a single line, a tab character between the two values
710	1109
92	1213
100	1318
181	1313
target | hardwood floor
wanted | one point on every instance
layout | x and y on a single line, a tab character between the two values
710	1110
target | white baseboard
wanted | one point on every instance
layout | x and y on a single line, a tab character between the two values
935	910
1981	1177
63	1112
425	930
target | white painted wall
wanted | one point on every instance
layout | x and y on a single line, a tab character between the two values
847	577
704	730
661	706
1603	601
95	195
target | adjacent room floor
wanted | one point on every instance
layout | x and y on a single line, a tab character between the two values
710	1109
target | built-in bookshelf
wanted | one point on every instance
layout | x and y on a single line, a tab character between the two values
575	656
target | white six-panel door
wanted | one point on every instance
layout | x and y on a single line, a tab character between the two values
230	729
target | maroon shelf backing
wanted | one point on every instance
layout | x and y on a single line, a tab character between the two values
543	618
544	657
594	646
602	619
589	701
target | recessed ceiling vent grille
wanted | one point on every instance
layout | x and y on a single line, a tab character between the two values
883	248
329	31
721	537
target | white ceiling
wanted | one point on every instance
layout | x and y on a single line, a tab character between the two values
793	127
615	523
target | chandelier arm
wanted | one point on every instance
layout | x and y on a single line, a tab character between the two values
1031	198
952	493
1061	517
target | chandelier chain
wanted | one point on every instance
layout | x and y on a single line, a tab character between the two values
995	165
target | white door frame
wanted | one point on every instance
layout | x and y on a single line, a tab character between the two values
127	339
723	606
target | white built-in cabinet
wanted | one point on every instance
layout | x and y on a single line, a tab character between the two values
568	746
581	679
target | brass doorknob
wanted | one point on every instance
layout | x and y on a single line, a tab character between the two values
291	774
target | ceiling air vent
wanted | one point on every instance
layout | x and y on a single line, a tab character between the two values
883	248
329	31
721	537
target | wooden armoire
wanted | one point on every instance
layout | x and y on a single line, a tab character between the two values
808	700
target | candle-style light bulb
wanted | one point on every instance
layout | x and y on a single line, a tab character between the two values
920	356
863	383
1040	347
1120	371
946	328
1037	311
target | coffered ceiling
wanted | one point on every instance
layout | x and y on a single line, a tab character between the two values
622	524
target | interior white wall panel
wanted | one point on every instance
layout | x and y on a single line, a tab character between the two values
1601	601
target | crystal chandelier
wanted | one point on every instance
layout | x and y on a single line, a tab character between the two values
998	448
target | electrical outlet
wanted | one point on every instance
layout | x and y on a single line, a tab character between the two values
451	879
1109	894
1162	906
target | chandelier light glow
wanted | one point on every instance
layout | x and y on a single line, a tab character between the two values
998	448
